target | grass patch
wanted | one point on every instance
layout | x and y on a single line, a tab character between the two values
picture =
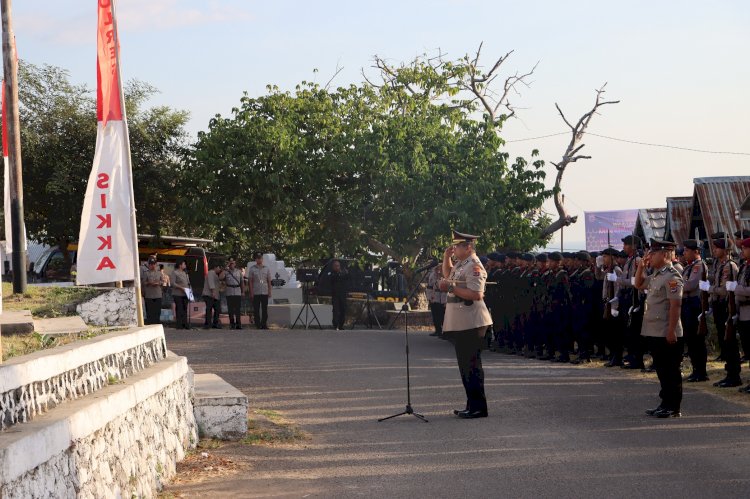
17	345
270	428
48	301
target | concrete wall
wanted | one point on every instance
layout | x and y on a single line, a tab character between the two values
113	422
114	308
33	384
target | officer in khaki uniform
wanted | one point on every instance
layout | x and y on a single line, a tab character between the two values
661	324
692	274
153	280
466	319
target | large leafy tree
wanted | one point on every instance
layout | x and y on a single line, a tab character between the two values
58	134
365	169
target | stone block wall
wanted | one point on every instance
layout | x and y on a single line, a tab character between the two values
114	308
133	455
20	404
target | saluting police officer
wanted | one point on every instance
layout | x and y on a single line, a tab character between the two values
466	319
662	327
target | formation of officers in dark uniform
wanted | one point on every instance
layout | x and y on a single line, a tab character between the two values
545	305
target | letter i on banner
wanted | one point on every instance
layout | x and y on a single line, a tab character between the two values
108	240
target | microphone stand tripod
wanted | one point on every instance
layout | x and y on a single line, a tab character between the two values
409	409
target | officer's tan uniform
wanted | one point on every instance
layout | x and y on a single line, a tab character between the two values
152	292
663	286
152	277
461	315
664	290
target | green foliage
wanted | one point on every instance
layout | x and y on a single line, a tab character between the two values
58	136
362	169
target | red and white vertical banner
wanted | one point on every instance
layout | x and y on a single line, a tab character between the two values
106	244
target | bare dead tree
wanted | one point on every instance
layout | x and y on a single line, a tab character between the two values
480	85
571	156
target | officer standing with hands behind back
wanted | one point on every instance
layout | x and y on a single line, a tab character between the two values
466	319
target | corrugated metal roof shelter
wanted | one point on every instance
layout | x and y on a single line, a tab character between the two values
678	219
651	224
716	201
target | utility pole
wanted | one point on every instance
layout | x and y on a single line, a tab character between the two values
10	67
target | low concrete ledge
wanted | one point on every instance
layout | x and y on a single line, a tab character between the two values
34	384
220	409
46	364
16	322
27	446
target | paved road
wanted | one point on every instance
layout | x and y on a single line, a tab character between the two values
553	431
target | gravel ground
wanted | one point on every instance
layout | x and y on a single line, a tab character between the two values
554	430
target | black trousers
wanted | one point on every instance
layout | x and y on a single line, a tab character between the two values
468	346
696	344
180	311
720	320
744	329
260	310
213	309
339	310
731	354
234	305
635	342
614	330
438	316
667	360
153	311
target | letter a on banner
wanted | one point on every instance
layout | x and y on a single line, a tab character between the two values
107	247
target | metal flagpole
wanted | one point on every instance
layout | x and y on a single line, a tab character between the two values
133	224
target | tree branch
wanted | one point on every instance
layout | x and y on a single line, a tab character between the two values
571	156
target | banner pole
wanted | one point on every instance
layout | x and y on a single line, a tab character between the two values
133	224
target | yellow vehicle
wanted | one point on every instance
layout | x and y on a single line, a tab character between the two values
52	266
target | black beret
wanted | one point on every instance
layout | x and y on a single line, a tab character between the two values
660	245
631	239
542	257
610	252
512	254
691	244
583	256
494	256
527	257
622	254
718	235
555	256
742	234
594	254
502	258
680	252
720	243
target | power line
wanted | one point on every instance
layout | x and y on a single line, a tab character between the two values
679	148
535	138
637	142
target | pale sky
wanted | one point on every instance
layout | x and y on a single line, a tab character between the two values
680	69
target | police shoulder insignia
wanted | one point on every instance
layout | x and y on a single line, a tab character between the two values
477	270
696	269
674	285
